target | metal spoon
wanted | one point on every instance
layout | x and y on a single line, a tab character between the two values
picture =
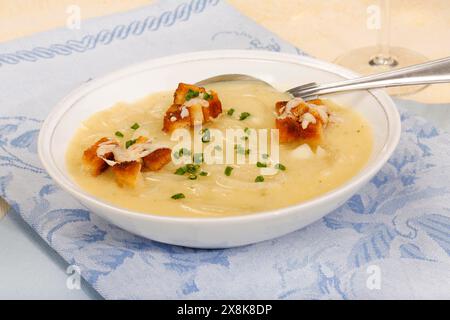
437	71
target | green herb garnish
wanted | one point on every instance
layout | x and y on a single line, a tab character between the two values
206	135
192	168
129	143
228	171
119	134
279	166
135	126
178	196
181	171
183	152
241	150
203	173
191	94
207	96
259	179
244	115
265	156
261	165
230	112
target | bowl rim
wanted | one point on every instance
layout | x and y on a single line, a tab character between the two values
368	171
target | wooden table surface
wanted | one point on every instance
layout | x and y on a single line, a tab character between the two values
323	28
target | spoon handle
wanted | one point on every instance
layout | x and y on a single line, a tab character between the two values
437	71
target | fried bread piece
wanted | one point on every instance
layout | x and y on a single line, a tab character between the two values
129	162
157	159
299	120
127	173
176	118
94	163
191	104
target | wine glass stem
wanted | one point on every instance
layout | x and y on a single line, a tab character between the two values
384	57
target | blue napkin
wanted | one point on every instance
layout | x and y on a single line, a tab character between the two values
391	240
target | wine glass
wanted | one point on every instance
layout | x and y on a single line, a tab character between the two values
383	57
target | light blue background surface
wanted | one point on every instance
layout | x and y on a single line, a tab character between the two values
398	223
30	269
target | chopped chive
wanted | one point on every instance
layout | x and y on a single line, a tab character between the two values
129	143
228	171
178	196
261	165
279	166
198	158
244	138
119	134
193	177
259	179
181	171
192	168
244	115
184	151
191	94
241	150
203	173
207	96
265	156
247	130
135	126
206	137
230	112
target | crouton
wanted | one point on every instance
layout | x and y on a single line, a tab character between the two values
291	130
300	122
214	109
179	97
173	119
279	107
127	173
94	163
189	106
157	159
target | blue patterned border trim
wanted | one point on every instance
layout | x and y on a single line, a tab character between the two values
120	32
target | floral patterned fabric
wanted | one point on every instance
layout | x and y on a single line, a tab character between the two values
391	240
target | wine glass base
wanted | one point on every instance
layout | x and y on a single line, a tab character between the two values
367	61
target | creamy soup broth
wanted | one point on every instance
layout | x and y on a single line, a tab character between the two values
345	149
